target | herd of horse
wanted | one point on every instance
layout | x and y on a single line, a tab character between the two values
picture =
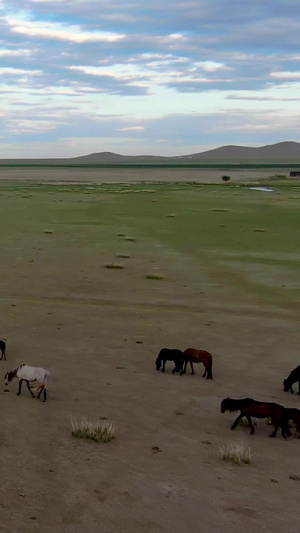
181	360
280	416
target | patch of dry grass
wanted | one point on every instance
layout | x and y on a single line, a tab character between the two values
236	453
98	430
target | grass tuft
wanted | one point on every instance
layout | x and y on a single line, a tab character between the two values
114	265
97	430
123	256
154	276
236	453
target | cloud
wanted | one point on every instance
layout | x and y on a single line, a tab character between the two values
262	98
14	53
18	71
60	32
132	128
125	71
285	75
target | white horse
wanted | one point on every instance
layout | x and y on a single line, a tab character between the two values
30	374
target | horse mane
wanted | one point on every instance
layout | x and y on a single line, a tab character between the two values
15	370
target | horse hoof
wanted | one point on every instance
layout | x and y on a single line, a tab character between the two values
272	436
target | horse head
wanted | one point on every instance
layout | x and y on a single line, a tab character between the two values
225	405
286	385
7	378
158	363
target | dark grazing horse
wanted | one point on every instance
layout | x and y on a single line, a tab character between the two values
198	356
167	354
3	350
292	378
250	407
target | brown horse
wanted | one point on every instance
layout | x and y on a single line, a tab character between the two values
198	356
250	407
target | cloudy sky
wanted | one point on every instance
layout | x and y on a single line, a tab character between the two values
163	77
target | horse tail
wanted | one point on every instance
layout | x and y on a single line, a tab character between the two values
47	377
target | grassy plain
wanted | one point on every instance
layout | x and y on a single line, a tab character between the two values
210	266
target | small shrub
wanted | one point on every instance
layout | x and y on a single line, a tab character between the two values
225	178
113	265
123	256
236	453
98	430
154	276
129	239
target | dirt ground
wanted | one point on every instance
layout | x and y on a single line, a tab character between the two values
124	175
99	331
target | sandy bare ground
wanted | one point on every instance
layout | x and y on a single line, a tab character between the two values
99	332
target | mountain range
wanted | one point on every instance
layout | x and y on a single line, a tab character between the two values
281	153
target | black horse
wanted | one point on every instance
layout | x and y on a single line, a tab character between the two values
3	350
167	354
249	407
292	378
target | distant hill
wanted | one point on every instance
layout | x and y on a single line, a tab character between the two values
282	150
280	153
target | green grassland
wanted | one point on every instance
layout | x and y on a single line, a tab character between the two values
239	246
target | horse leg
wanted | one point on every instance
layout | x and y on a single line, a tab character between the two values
192	367
183	370
45	395
163	365
273	434
205	371
285	432
250	424
235	423
20	387
42	389
285	428
174	369
299	387
28	387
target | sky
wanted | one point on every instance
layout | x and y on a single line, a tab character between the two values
155	77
